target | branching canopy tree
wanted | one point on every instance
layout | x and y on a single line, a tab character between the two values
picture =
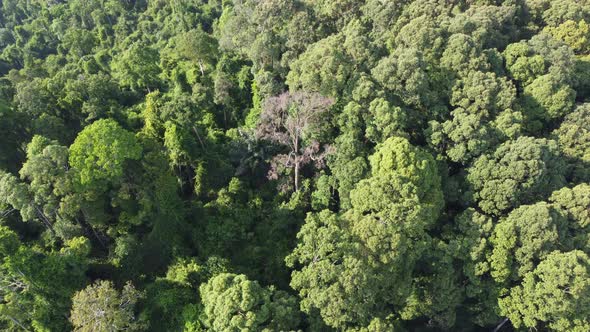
295	121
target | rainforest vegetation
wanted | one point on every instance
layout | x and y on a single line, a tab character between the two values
294	165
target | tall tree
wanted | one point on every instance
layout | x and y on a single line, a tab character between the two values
295	122
555	294
517	172
100	151
102	308
233	303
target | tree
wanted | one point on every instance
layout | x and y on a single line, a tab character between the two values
483	93
137	67
573	204
554	295
385	120
323	68
17	195
37	286
96	96
391	213
403	72
294	121
397	156
351	267
524	238
553	13
490	24
100	307
330	275
233	303
197	46
463	55
546	99
542	54
13	132
100	151
348	164
171	303
335	13
46	119
575	34
464	137
479	98
573	137
51	185
518	172
471	244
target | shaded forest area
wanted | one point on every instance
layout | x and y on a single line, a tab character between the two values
294	165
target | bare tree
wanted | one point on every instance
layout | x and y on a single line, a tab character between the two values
293	120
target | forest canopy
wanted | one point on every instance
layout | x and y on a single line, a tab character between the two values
294	165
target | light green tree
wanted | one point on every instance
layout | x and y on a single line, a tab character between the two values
233	303
100	151
555	294
573	204
518	172
524	238
573	137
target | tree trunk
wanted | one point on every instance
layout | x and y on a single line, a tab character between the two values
45	220
296	145
88	226
296	176
501	324
17	322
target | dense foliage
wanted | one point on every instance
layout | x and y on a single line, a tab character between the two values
294	165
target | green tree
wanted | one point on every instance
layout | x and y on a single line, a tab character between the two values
197	46
100	151
352	267
542	54
404	73
471	244
545	100
464	137
518	172
13	133
52	185
573	137
331	277
554	295
573	203
385	120
233	303
137	67
37	286
324	68
575	34
524	238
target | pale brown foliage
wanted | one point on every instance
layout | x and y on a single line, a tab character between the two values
292	120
